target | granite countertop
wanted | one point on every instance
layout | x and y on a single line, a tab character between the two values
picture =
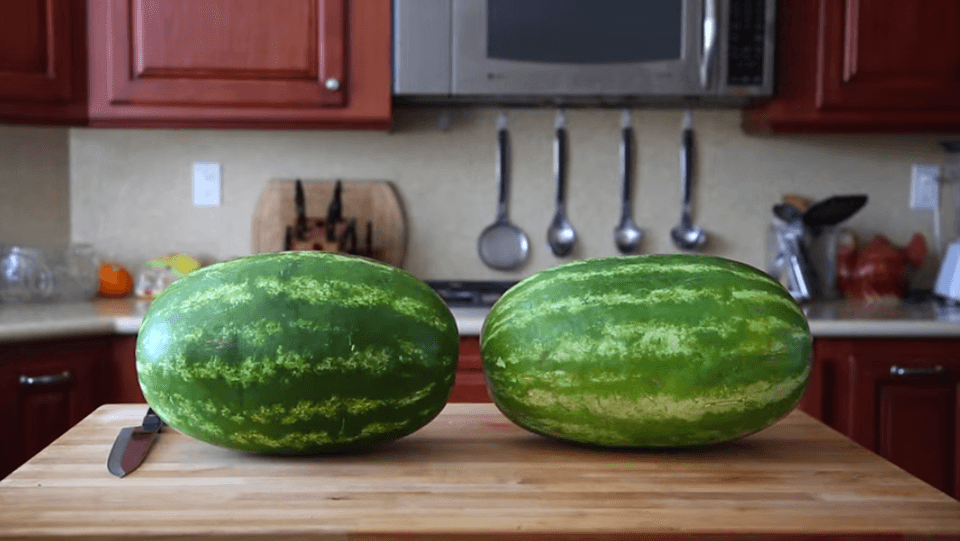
846	318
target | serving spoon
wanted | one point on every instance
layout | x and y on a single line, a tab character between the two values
627	235
503	245
560	235
686	235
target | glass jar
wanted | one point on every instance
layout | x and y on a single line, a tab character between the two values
77	273
24	276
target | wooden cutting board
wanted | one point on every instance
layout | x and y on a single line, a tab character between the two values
471	474
374	201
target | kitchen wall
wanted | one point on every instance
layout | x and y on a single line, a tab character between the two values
34	186
130	190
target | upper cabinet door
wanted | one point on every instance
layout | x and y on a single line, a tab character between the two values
864	66
228	52
889	55
42	60
244	63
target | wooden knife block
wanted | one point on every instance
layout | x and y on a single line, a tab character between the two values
373	201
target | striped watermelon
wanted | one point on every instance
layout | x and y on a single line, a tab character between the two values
297	353
646	351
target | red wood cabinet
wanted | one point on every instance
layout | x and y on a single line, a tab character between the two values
47	387
43	61
470	385
858	65
122	374
240	63
182	63
896	397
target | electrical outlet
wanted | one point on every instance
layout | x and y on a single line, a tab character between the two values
206	184
924	186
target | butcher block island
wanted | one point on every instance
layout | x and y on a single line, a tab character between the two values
471	474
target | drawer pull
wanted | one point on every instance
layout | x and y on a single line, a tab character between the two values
901	371
49	379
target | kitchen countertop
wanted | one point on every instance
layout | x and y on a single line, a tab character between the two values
62	320
472	474
887	317
875	318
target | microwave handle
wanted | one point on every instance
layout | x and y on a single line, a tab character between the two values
709	43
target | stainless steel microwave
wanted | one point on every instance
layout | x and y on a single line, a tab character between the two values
584	51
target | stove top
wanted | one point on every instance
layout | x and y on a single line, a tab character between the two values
462	293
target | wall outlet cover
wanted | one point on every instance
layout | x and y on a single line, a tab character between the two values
924	186
206	184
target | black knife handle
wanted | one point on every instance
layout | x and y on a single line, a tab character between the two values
348	240
335	211
301	203
369	239
152	422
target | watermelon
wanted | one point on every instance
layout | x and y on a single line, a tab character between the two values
297	353
646	351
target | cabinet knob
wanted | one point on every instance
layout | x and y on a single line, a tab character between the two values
49	379
332	84
903	371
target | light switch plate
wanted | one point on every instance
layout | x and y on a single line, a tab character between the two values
924	186
206	184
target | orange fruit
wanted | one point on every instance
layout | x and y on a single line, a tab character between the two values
115	281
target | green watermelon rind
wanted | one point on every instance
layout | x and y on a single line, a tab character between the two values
297	353
647	351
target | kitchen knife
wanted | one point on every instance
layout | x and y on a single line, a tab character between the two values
335	211
301	203
132	445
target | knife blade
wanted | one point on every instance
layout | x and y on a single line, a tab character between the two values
133	443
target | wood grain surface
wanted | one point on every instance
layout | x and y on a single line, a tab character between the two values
471	474
375	201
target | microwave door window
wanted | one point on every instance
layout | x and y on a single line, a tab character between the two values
584	32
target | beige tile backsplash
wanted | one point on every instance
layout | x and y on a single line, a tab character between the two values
34	186
129	191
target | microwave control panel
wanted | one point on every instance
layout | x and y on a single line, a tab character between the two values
746	42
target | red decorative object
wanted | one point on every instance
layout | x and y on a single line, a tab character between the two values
880	269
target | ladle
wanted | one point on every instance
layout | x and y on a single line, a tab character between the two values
627	235
502	245
561	236
686	235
